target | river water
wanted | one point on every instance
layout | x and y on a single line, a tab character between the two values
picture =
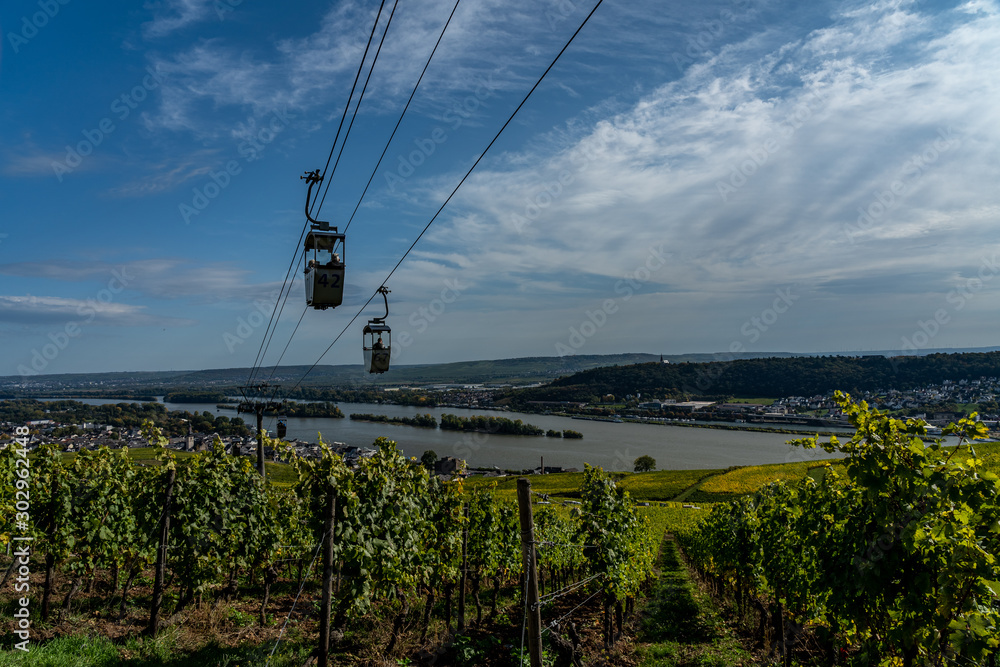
612	446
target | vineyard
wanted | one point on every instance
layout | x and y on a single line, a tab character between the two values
885	557
399	546
891	562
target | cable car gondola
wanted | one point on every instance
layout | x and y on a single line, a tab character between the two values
282	427
377	351
323	257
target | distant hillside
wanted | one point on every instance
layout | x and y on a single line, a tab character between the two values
682	374
766	378
521	371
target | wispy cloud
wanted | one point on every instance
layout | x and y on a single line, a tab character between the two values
172	15
485	39
45	310
33	164
160	278
751	165
167	174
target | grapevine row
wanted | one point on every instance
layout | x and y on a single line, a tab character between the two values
893	563
397	531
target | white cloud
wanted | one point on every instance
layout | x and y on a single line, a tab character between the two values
834	126
177	14
506	39
35	310
35	163
159	278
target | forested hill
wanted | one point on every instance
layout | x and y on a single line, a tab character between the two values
767	378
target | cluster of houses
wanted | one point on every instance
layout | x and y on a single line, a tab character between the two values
963	391
789	409
95	436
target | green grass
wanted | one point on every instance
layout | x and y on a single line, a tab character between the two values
755	401
659	485
566	484
681	627
674	518
94	651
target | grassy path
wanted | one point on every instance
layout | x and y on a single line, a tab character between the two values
681	627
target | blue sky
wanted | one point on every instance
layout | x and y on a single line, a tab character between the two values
732	175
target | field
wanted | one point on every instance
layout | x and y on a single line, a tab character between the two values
663	484
748	479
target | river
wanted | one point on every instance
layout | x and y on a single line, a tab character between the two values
613	446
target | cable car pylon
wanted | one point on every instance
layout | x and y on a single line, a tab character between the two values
253	404
377	352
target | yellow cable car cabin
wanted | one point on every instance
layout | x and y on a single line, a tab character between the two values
324	269
377	346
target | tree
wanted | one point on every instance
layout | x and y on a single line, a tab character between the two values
429	459
645	464
990	407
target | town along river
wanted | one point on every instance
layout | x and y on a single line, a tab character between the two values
613	446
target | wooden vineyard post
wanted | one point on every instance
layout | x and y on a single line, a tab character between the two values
534	627
260	441
161	557
465	570
326	601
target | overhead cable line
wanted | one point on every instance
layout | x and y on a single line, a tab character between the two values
354	116
329	180
466	176
266	340
377	165
350	98
297	324
407	106
275	315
